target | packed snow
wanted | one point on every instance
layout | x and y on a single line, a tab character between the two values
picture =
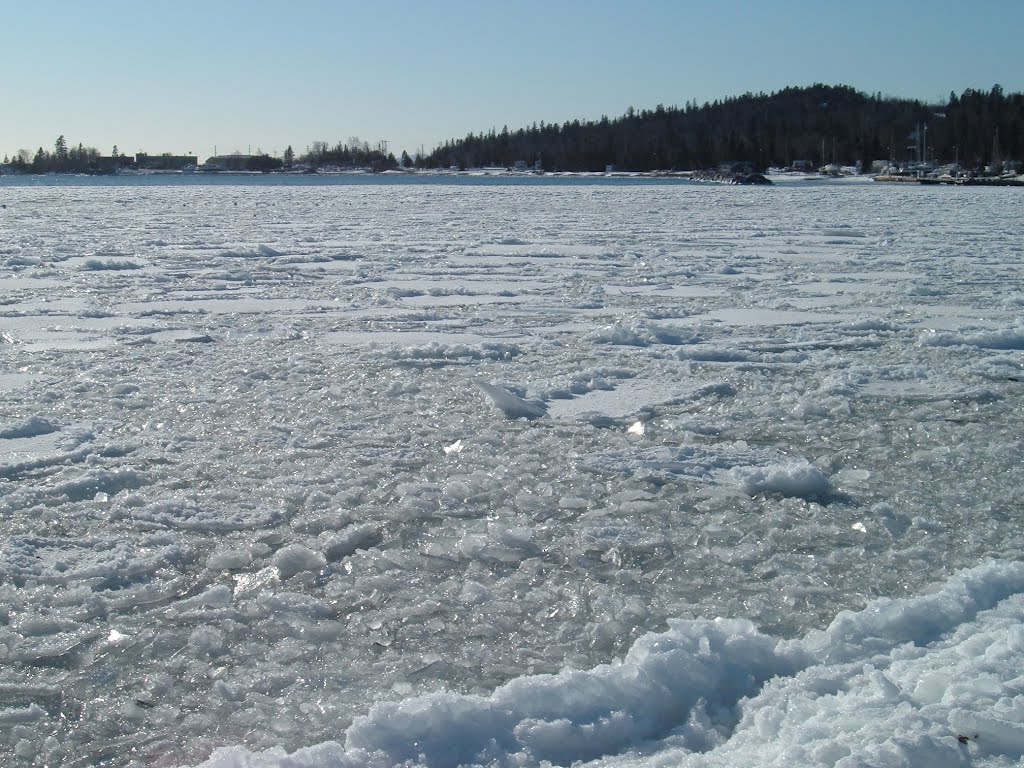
510	472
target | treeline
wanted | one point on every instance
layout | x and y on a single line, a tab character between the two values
816	125
806	127
356	153
63	159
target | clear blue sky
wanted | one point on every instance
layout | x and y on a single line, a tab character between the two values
190	75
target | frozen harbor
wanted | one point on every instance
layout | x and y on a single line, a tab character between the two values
503	472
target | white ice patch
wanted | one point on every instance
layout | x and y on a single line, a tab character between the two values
616	400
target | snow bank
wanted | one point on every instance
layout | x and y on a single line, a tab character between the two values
927	680
581	715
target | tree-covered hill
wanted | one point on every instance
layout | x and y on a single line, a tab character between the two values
819	124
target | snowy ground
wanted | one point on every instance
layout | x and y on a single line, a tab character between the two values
464	472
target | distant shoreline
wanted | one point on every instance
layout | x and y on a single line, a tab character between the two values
966	181
773	177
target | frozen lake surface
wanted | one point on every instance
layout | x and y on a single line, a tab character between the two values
632	474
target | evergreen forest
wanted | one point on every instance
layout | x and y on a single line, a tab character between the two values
816	125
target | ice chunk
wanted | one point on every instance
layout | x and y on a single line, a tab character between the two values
218	596
229	558
1004	338
798	479
625	333
29	714
206	641
290	602
344	543
513	406
31	427
99	265
296	558
474	593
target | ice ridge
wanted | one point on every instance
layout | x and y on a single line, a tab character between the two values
926	680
